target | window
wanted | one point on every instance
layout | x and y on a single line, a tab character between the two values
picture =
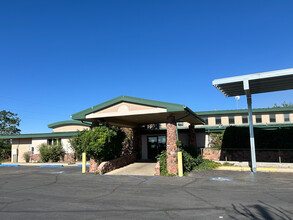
286	118
206	120
272	118
180	124
218	120
33	150
244	119
231	120
258	119
53	141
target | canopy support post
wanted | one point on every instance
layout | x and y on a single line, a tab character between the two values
251	132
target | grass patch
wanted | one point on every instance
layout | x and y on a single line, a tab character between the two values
228	164
207	165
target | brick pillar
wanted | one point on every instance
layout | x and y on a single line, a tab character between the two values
192	136
136	141
172	166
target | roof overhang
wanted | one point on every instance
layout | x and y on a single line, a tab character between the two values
256	83
125	111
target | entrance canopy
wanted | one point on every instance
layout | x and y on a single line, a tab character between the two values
128	111
258	83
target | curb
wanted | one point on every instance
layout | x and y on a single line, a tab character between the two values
79	165
51	165
9	165
260	169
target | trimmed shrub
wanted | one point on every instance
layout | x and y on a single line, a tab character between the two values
26	156
238	137
51	152
101	144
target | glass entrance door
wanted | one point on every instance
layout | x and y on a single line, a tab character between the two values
156	144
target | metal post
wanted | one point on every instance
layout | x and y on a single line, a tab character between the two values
83	162
252	143
180	164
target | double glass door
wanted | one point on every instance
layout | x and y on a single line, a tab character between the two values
156	144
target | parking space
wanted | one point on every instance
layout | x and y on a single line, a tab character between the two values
65	193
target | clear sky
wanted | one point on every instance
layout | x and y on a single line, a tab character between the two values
59	57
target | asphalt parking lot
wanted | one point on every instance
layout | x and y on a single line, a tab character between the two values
65	193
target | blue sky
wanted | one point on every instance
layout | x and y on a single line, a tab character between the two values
59	57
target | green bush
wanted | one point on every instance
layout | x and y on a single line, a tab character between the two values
206	164
26	156
216	140
102	143
191	149
189	162
51	152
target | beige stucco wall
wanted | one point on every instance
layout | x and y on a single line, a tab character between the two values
212	120
225	120
22	145
238	120
265	119
125	108
279	118
68	128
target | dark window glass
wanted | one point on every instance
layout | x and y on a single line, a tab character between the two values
272	118
180	123
218	120
258	119
33	150
231	120
206	120
244	119
286	117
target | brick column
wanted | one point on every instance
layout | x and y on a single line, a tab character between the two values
172	166
136	141
192	136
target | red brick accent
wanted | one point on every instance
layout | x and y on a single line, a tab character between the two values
172	166
192	136
93	166
211	154
35	158
157	169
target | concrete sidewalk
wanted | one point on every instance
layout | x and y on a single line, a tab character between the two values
137	169
259	169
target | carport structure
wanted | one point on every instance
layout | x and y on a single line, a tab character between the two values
252	84
131	112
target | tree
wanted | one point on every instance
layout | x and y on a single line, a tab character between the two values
9	123
101	144
284	104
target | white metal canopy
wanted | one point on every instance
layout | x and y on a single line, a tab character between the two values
251	84
258	83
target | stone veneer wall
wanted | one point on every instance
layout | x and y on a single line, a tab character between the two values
244	155
108	166
36	158
172	166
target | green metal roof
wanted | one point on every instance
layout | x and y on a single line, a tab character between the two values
242	111
69	122
271	126
40	135
170	107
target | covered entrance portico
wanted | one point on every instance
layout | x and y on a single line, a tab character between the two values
136	113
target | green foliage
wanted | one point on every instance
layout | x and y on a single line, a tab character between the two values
238	137
228	164
191	150
102	143
189	162
216	140
207	165
284	104
9	123
51	152
26	156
